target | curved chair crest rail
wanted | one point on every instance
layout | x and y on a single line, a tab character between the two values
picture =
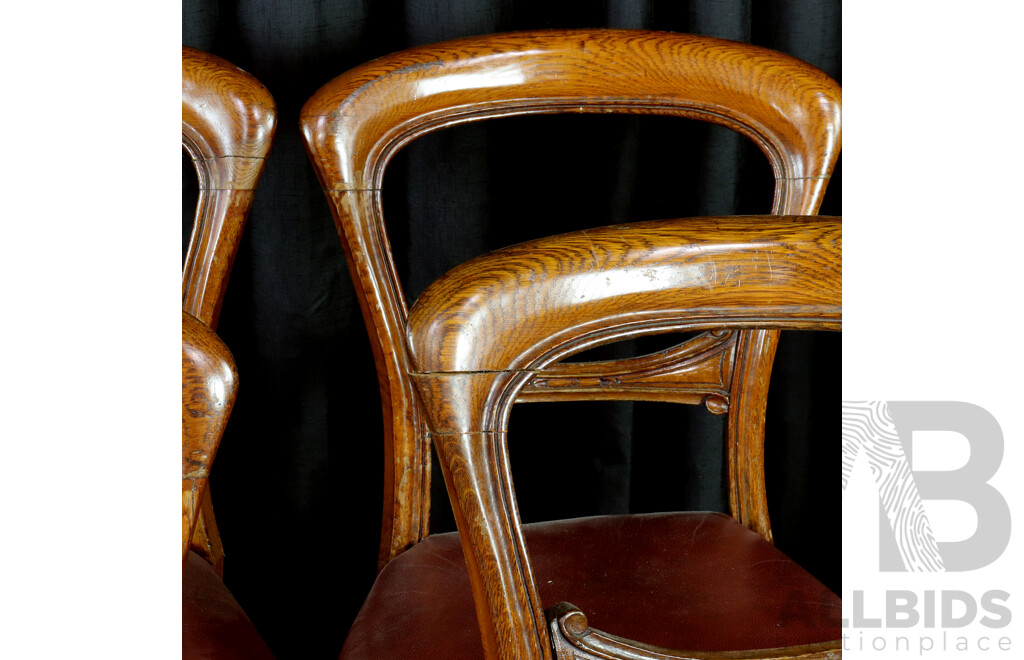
443	381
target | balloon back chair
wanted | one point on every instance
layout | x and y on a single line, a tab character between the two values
227	126
495	330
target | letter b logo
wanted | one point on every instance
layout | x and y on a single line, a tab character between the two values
883	431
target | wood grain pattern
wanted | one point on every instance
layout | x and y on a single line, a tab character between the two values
789	108
209	384
722	271
479	333
492	332
748	498
354	125
228	120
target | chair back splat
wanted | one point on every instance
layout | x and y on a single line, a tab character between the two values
493	331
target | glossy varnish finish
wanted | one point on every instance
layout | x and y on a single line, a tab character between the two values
227	126
487	327
208	388
623	280
492	332
355	124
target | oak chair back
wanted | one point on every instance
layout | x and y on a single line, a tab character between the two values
208	387
355	124
487	329
228	120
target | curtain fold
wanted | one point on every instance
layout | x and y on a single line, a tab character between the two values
297	483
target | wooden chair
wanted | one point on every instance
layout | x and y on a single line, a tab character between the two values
213	623
227	126
493	332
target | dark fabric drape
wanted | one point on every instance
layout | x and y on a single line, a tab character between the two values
297	484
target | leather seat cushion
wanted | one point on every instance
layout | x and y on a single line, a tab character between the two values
693	581
213	624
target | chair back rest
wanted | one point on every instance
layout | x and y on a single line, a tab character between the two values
516	310
227	126
486	328
354	125
208	388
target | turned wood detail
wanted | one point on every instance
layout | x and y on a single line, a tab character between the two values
355	124
228	120
208	387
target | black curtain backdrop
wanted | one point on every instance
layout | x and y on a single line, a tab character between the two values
297	485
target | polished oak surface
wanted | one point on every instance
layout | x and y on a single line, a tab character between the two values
208	388
353	126
790	109
479	333
576	290
227	126
491	332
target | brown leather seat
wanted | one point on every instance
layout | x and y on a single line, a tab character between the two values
656	577
213	624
